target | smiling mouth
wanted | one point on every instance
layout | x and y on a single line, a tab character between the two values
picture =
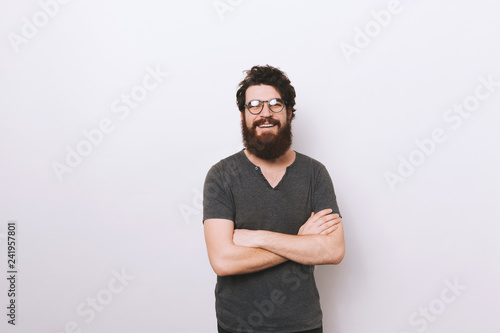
266	125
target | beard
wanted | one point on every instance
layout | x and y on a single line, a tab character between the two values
267	146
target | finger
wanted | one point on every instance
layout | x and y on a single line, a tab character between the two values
324	226
332	216
324	212
336	221
327	219
317	220
330	230
322	223
319	215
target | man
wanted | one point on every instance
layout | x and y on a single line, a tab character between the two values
270	214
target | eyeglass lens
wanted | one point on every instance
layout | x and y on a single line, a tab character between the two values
256	106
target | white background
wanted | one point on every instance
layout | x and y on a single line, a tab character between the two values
133	203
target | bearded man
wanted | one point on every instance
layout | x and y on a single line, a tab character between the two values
270	214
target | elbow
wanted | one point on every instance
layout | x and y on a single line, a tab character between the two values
337	256
221	272
220	268
338	259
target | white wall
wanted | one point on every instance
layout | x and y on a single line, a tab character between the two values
132	206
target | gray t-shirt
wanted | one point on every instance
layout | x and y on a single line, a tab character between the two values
283	298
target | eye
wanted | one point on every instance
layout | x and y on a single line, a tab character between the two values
254	103
276	102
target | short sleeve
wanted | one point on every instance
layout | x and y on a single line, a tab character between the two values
217	198
323	193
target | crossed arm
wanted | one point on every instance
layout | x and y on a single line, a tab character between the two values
319	241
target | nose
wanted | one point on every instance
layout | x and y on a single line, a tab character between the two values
266	111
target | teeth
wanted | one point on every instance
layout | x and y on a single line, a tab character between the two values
266	125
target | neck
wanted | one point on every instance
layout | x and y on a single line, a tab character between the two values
284	160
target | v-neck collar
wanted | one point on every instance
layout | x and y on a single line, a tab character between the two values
258	169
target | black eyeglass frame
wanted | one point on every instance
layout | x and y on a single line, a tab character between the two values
262	105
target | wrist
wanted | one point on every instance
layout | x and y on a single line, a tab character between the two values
263	238
258	238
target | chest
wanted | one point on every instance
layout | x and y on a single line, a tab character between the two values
273	175
275	200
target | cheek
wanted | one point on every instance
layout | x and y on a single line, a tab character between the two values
285	120
249	121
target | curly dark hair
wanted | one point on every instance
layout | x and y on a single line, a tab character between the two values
270	76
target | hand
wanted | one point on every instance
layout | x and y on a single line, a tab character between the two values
245	237
321	223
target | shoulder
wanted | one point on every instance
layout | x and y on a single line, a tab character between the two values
235	159
308	165
229	164
307	161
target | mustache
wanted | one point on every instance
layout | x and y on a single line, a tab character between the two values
263	121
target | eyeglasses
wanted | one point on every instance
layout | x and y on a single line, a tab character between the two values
256	106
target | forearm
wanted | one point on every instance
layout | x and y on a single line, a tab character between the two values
243	260
306	249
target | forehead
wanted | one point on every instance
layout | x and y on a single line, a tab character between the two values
262	92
